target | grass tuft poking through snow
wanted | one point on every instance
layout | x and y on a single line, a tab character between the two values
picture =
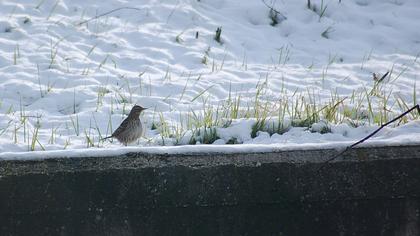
218	35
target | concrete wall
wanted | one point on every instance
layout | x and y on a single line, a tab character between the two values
369	191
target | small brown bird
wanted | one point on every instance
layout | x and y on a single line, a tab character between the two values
130	129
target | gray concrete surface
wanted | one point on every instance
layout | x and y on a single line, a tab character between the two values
367	191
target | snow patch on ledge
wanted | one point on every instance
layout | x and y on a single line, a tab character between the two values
189	149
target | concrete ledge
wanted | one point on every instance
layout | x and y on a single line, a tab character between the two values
369	191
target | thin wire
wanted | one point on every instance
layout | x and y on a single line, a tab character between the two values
369	136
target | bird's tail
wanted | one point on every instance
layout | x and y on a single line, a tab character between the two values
106	138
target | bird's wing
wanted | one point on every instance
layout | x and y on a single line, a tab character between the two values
121	128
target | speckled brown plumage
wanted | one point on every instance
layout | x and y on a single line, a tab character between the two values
131	128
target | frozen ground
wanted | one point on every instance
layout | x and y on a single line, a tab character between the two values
64	83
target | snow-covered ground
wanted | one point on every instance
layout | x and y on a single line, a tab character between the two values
67	78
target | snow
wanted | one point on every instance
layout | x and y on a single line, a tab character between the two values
239	130
71	83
